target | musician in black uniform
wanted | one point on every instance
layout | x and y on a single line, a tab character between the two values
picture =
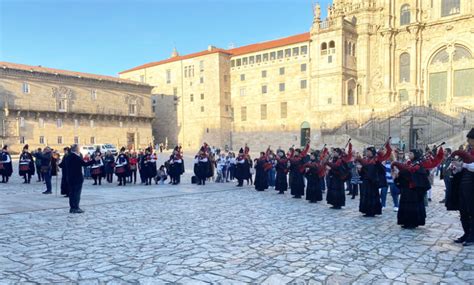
463	187
6	168
26	165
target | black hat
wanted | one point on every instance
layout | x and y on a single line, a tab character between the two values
25	147
338	150
241	150
122	149
5	147
470	135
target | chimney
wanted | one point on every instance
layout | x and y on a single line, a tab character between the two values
211	48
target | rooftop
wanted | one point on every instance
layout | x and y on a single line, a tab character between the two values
53	71
233	52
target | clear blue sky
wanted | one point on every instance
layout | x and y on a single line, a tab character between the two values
106	36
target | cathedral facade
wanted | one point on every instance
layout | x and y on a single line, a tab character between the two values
368	60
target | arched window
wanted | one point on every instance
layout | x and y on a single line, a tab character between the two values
405	67
450	7
441	57
405	15
350	97
461	53
324	48
332	46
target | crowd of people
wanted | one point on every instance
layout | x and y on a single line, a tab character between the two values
336	172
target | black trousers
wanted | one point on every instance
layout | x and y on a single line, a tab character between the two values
40	174
133	176
75	196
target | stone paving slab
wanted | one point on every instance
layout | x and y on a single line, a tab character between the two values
222	235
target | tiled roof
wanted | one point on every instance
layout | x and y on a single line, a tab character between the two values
234	52
176	58
40	69
270	44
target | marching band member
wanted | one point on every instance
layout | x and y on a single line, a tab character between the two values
281	183
202	165
133	168
121	167
176	166
314	170
242	166
26	165
262	166
296	171
6	168
96	168
373	178
339	173
412	180
464	189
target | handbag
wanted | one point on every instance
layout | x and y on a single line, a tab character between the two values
24	167
120	170
96	171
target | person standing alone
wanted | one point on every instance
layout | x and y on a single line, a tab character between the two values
75	178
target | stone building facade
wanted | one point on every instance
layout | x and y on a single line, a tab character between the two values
368	60
43	106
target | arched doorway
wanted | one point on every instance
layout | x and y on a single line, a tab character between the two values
451	73
305	133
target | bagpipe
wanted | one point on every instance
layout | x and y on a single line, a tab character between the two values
465	156
427	155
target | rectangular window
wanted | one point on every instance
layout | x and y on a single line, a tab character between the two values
91	123
304	50
92	140
22	122
132	109
26	88
243	114
41	140
242	77
272	55
60	140
463	86
245	60
232	63
264	89
201	65
329	100
76	140
251	60
168	76
450	7
202	108
280	54
239	62
288	52
330	59
62	105
153	109
303	84
264	73
22	140
296	51
121	124
265	57
403	95
283	110
76	123
59	123
282	70
41	122
93	94
258	58
303	67
202	96
191	97
201	80
263	112
185	72
242	91
282	87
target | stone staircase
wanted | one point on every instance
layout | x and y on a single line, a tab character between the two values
432	125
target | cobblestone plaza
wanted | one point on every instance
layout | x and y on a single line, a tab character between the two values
218	234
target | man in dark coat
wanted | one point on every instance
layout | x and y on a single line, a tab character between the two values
62	165
46	167
75	178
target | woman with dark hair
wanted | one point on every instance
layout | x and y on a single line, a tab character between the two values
26	165
262	166
338	174
373	178
296	170
281	181
412	180
6	168
313	174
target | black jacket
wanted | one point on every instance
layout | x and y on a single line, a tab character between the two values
74	165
